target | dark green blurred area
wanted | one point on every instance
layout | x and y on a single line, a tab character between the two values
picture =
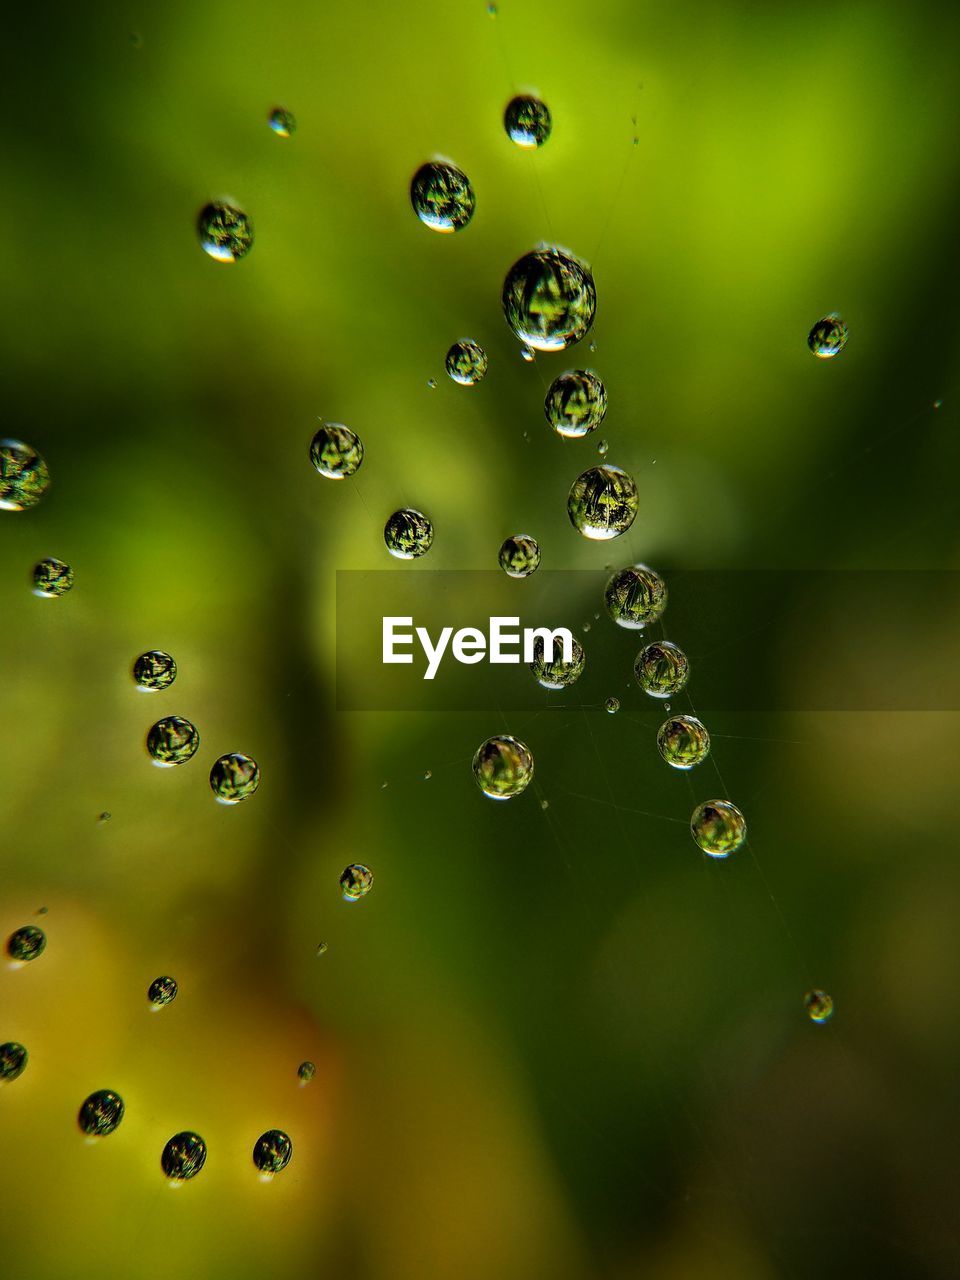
553	1041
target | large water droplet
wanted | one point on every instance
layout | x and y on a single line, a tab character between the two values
24	477
272	1151
527	121
549	299
356	881
683	742
662	669
101	1113
466	362
575	403
519	555
408	534
503	767
635	597
172	740
184	1156
336	451
162	990
13	1060
26	943
442	196
225	232
602	503
828	336
52	578
234	777
718	827
154	670
557	674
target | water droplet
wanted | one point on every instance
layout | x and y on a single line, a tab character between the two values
42	911
24	477
718	827
575	403
602	503
162	991
666	706
662	669
184	1156
154	670
272	1151
101	1113
442	196
635	597
557	674
593	345
355	882
408	534
527	121
336	451
683	742
234	777
819	1005
26	943
466	362
938	404
52	578
432	384
172	740
603	447
322	948
104	817
828	336
492	10
306	1071
519	555
586	626
503	767
636	141
226	233
544	804
527	356
13	1059
612	705
549	299
428	775
282	122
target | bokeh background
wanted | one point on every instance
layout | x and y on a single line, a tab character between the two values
553	1041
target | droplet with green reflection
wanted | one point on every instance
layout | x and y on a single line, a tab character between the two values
718	827
466	362
356	881
162	991
683	742
527	121
503	767
662	669
442	196
519	556
172	740
101	1113
828	337
635	597
24	477
556	673
272	1151
234	777
13	1060
183	1156
602	503
306	1071
154	670
549	299
52	578
575	403
26	943
336	451
282	122
819	1005
408	534
226	233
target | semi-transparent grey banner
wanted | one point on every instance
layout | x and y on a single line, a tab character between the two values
756	640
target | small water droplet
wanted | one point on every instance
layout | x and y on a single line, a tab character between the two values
576	403
355	882
819	1005
586	626
52	578
162	991
527	121
104	817
172	740
306	1071
612	705
938	404
272	1151
527	355
519	556
13	1060
282	122
828	336
428	775
154	670
593	345
603	447
432	384
101	1113
24	477
442	196
26	943
183	1157
336	451
408	534
544	804
466	362
226	233
321	948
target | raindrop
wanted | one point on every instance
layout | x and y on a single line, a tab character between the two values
828	336
432	384
544	804
575	403
172	740
355	882
603	447
321	948
549	299
519	555
282	122
101	1113
13	1060
718	827
683	742
408	534
466	362
442	196
527	356
602	503
154	670
819	1005
24	477
184	1156
234	777
26	943
336	451
428	775
272	1151
527	121
503	767
162	991
52	578
226	233
612	705
635	597
306	1071
104	817
557	674
662	669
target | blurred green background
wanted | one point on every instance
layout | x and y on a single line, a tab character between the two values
552	1042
